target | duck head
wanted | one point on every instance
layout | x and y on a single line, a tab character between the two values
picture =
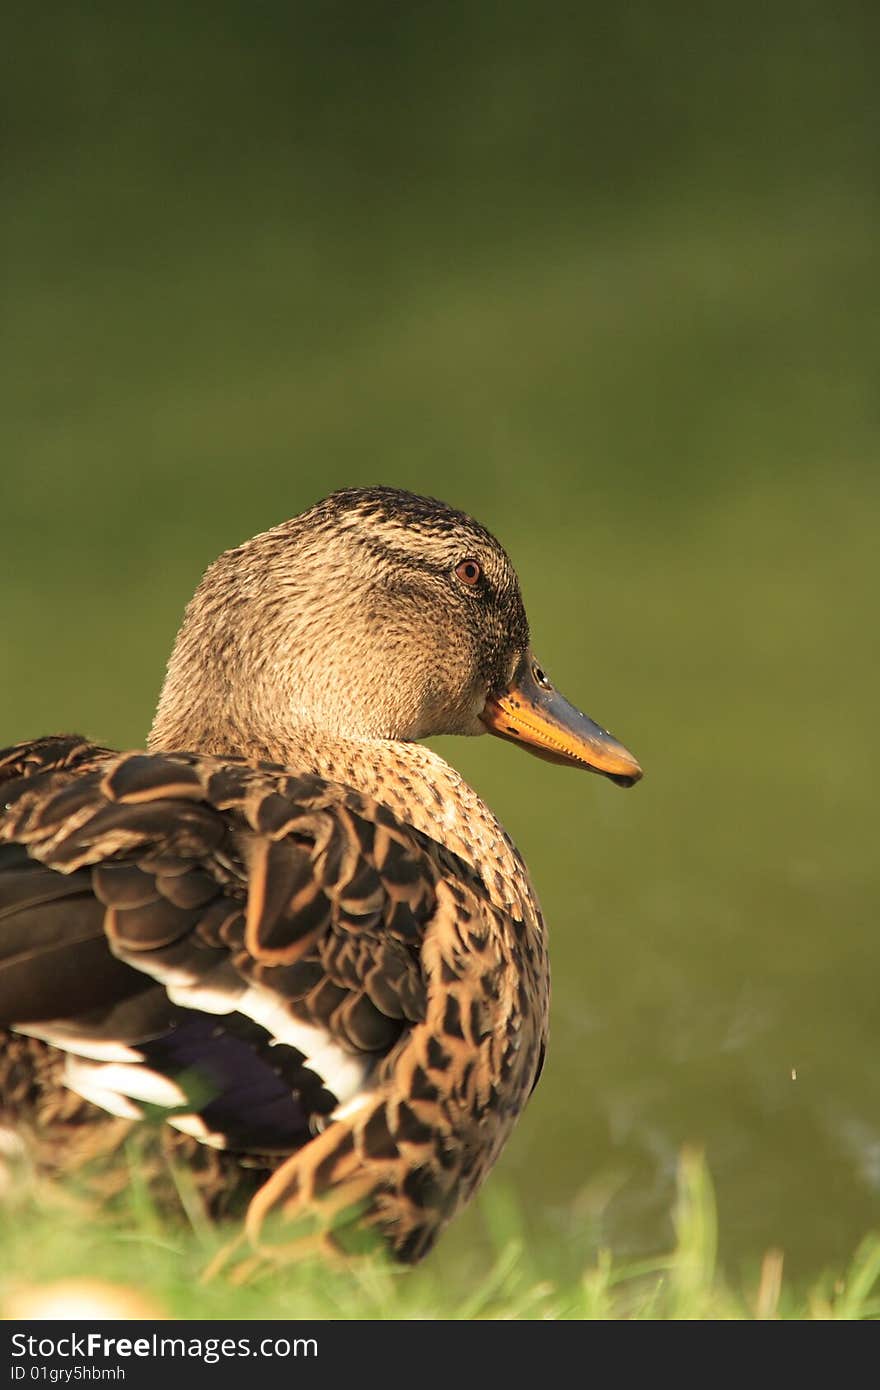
375	614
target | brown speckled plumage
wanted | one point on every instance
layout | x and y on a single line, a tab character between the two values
305	930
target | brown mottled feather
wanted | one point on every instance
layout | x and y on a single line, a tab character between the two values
343	917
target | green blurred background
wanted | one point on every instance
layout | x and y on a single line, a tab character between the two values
606	277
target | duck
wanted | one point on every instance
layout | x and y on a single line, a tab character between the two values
286	930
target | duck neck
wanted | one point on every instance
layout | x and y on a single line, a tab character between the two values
425	792
413	781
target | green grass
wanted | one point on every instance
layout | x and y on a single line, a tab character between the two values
52	1233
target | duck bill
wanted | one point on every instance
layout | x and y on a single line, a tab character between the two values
530	712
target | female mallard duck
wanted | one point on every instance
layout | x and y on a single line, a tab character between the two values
288	923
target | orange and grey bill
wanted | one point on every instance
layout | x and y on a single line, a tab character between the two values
532	713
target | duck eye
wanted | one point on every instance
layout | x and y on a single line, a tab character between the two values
469	572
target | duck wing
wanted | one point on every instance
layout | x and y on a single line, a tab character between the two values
235	945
